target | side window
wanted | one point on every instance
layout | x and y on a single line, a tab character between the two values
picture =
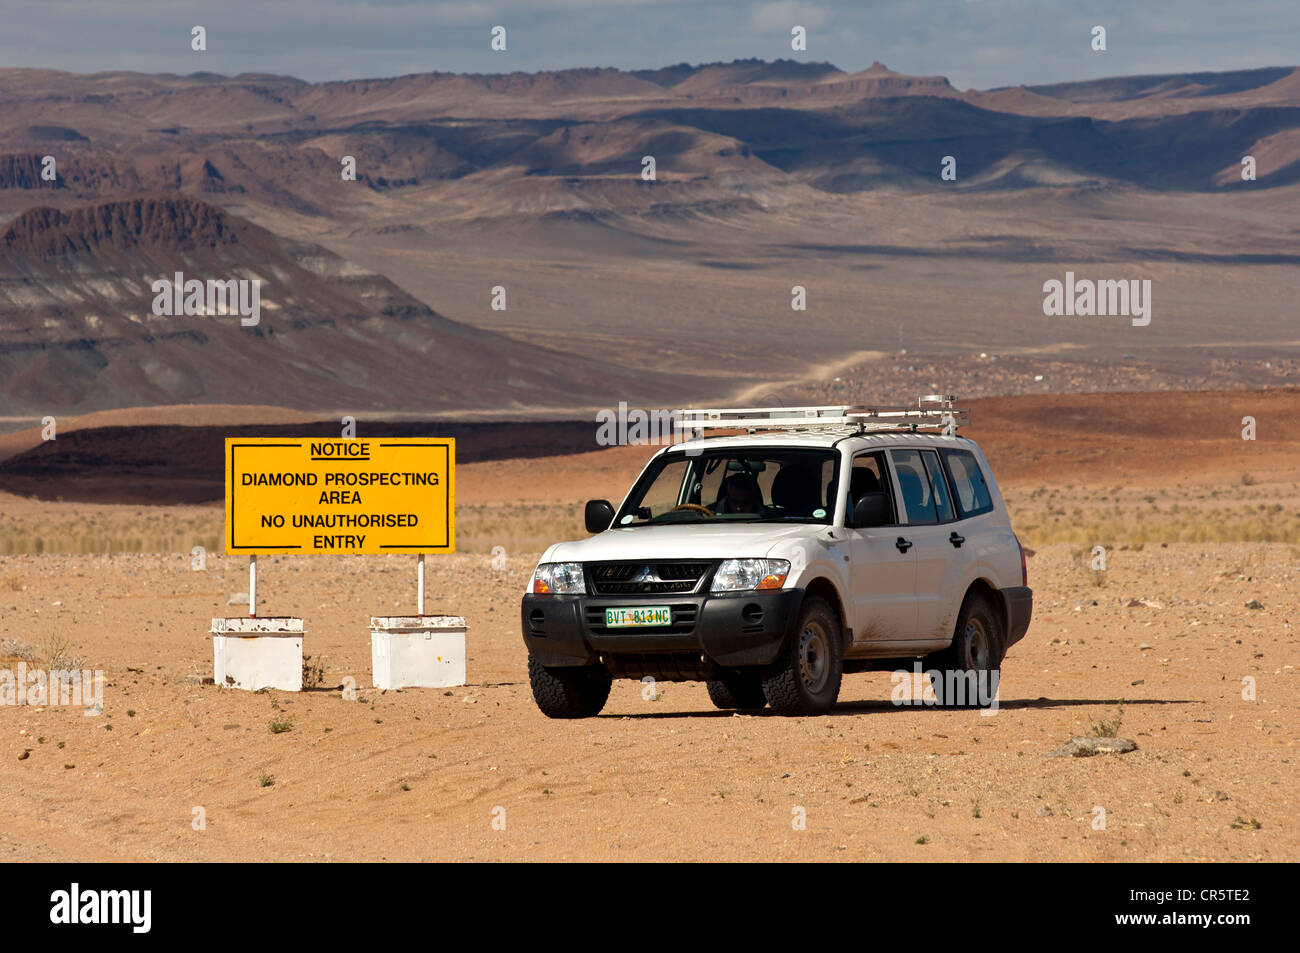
665	492
870	475
968	484
942	501
914	482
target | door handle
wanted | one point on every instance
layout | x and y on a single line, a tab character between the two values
903	545
956	540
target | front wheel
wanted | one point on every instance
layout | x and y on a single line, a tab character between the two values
805	680
569	692
966	674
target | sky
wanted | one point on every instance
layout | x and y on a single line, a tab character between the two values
975	43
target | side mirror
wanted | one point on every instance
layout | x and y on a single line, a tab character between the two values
598	515
872	509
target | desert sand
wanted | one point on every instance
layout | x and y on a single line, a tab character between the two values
1155	648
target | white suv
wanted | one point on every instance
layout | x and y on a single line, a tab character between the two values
771	563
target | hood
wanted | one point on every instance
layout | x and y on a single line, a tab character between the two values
681	541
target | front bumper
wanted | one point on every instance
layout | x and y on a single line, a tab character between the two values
729	629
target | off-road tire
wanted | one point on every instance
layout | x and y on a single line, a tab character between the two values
568	692
977	646
805	680
738	690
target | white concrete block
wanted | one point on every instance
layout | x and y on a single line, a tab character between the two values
417	651
258	653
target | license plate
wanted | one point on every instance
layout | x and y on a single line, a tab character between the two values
630	616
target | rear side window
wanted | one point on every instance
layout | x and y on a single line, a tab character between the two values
914	482
968	483
942	502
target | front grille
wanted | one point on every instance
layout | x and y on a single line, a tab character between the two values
645	578
683	621
635	588
691	571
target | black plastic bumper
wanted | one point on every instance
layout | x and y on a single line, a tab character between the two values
1019	604
730	629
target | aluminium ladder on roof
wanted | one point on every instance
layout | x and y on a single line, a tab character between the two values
932	412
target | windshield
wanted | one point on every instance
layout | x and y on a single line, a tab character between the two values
735	485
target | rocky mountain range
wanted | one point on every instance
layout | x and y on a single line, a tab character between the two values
80	322
109	181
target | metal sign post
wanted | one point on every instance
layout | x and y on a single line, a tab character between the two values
419	587
252	587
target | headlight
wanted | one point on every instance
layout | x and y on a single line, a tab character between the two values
735	575
559	578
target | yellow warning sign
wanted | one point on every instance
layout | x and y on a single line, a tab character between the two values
320	496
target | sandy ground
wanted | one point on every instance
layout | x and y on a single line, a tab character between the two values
418	774
1161	641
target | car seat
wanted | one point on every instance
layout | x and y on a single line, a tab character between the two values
862	481
796	490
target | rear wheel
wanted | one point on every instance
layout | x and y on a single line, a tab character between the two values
569	692
965	675
806	679
737	690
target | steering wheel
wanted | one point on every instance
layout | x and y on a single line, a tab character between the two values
693	506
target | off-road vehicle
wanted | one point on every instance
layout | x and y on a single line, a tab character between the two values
820	541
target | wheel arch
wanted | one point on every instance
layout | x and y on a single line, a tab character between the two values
985	587
823	588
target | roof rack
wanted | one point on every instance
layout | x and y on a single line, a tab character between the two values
934	412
